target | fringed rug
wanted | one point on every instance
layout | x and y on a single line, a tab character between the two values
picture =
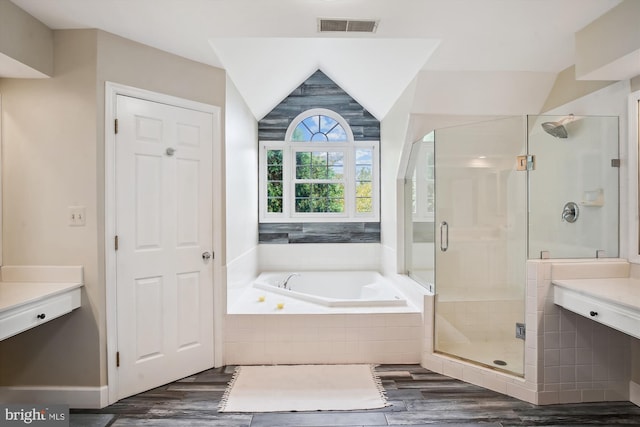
303	388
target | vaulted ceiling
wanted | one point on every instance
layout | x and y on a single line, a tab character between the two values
268	47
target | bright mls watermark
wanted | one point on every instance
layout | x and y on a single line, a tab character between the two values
34	415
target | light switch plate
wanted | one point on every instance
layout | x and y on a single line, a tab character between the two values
76	216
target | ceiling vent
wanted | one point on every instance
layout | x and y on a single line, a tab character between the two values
347	25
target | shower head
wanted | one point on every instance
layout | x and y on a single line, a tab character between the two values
557	129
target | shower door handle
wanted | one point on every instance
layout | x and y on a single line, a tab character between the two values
444	236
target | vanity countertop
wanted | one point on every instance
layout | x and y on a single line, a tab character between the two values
33	295
17	294
622	291
614	302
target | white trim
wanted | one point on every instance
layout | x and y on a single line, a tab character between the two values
75	397
634	393
112	90
634	176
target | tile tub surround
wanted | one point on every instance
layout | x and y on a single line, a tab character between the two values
322	338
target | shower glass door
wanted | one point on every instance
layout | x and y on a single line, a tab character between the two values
480	242
573	191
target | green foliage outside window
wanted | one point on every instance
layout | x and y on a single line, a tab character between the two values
364	181
274	181
318	196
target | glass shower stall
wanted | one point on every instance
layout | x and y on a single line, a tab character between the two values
482	198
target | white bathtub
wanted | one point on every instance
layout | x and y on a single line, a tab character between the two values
334	288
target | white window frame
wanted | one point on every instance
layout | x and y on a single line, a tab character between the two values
421	182
289	149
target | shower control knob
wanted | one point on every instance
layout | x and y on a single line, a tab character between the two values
593	313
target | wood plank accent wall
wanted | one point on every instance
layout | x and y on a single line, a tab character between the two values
319	91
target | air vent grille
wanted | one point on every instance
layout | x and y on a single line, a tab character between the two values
347	25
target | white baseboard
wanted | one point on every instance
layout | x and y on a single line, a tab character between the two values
634	393
75	397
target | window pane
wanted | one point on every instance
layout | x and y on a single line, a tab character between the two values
274	189
320	158
334	205
274	157
274	181
319	137
326	204
303	165
336	158
364	156
301	134
303	172
337	134
327	124
274	173
319	198
313	123
319	172
319	128
335	172
303	205
303	190
303	158
274	205
364	189
364	173
364	205
335	190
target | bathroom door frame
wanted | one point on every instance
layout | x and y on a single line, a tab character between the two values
112	90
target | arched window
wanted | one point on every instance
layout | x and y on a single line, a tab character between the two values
319	172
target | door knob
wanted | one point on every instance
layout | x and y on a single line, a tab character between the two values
206	256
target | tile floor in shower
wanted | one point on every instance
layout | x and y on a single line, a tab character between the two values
418	397
491	354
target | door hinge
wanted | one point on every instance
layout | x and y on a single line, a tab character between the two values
115	125
526	163
615	163
521	330
117	359
116	243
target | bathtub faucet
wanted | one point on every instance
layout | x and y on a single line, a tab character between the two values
284	283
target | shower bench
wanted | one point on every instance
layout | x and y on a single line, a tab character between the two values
33	295
614	302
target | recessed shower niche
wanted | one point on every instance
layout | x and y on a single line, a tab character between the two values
482	198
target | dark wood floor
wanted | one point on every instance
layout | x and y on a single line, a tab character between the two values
419	398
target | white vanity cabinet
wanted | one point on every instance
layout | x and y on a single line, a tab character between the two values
614	302
35	295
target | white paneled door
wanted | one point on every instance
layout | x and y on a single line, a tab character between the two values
164	228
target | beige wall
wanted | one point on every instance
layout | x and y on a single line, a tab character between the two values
609	47
25	39
49	158
635	84
566	89
53	157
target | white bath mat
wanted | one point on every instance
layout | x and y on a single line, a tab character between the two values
303	388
